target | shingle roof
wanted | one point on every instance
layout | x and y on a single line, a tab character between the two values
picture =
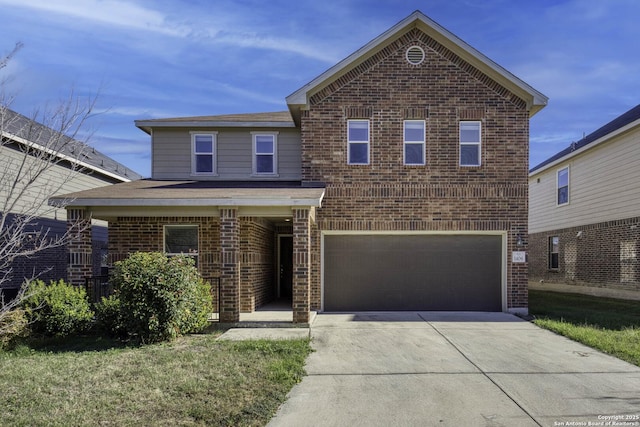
14	125
149	192
615	124
273	119
277	116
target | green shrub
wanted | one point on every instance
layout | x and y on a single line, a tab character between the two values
198	306
108	318
13	325
161	298
57	309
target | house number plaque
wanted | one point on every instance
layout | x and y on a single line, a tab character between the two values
518	257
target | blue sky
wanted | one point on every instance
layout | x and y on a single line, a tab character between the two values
170	58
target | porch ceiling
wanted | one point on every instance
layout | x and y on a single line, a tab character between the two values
154	193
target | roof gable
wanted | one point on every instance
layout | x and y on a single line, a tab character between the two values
534	100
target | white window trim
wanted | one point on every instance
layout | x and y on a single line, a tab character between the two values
478	144
214	137
368	142
558	186
254	164
423	143
164	239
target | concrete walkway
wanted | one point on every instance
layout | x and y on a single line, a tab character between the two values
455	369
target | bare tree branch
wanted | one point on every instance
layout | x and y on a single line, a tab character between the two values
41	156
4	61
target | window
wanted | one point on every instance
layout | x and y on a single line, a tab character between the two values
204	153
554	243
181	240
358	142
563	186
264	153
414	142
470	143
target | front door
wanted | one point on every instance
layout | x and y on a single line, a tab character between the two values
285	267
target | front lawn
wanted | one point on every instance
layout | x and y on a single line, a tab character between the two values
609	325
194	380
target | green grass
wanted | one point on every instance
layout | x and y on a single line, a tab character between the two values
193	381
609	325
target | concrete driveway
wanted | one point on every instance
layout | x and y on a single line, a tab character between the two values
455	369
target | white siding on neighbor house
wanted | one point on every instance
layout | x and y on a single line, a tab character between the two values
57	180
604	185
172	154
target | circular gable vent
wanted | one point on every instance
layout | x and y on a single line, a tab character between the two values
415	55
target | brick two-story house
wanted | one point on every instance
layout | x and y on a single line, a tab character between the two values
396	180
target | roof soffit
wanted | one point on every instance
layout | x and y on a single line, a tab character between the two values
534	99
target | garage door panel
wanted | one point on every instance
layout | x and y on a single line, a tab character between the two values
412	272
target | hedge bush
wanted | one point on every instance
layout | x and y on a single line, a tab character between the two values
13	325
161	297
108	317
57	309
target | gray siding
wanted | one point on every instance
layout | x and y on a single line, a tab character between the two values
172	154
604	185
55	181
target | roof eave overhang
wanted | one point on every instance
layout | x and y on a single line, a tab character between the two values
312	202
200	202
148	125
535	100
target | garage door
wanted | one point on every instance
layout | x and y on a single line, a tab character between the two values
412	272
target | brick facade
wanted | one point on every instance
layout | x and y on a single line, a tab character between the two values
301	265
80	247
256	250
51	264
596	255
146	234
386	195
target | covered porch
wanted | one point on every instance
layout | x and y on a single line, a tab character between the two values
275	314
253	238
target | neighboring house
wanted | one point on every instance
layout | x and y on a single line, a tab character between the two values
584	210
93	169
397	180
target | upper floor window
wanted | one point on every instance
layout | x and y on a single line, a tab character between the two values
204	153
414	142
563	186
264	153
470	138
358	142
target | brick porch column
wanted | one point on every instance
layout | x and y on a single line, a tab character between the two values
80	263
230	266
301	265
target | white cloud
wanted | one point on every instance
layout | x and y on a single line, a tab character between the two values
113	148
136	112
110	12
257	41
129	15
248	94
